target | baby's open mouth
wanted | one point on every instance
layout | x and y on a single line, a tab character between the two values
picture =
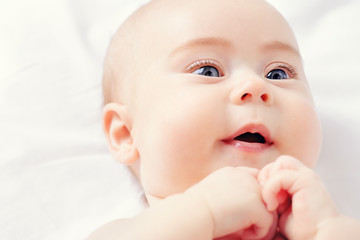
250	137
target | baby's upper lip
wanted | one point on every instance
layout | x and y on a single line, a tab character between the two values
259	129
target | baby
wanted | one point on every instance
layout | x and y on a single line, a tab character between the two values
208	103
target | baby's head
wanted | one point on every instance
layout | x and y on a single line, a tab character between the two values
192	86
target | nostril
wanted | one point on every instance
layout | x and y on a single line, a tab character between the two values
244	96
264	97
248	96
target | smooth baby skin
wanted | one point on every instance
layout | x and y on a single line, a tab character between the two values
175	125
201	96
306	210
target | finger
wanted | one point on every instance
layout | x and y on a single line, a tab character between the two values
273	229
285	162
279	237
252	171
281	163
277	187
286	223
283	207
264	173
264	226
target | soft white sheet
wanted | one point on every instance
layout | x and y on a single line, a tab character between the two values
57	180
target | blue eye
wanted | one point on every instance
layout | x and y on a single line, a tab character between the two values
277	74
208	71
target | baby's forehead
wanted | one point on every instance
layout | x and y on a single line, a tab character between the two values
156	24
158	27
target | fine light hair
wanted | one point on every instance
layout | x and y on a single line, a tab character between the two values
120	59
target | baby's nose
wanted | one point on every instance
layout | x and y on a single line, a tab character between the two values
251	89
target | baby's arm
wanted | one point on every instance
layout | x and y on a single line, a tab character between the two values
306	209
177	217
227	201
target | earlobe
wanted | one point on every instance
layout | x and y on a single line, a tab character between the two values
117	130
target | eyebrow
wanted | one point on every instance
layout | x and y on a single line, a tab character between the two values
213	41
198	42
277	45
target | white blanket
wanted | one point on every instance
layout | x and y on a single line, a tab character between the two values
57	179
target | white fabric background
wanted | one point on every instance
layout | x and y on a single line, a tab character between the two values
57	179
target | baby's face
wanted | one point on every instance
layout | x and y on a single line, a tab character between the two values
219	83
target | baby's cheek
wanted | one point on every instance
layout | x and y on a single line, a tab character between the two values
312	139
170	164
303	134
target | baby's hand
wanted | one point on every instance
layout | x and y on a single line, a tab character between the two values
299	196
233	196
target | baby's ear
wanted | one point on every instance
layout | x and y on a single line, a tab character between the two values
117	129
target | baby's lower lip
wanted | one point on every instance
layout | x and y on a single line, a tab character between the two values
248	146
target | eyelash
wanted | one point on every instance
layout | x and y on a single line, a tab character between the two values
289	69
205	62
